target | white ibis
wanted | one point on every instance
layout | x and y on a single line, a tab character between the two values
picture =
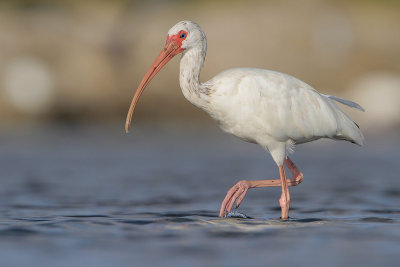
269	108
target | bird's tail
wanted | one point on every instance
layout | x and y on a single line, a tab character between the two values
346	102
347	129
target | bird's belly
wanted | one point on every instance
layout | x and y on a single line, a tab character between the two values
256	129
237	130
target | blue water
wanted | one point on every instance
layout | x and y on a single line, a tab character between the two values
94	196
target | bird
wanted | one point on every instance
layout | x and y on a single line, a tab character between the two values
274	110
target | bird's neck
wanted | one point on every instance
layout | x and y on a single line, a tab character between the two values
190	66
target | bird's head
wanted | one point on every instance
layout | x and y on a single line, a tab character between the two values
181	37
188	34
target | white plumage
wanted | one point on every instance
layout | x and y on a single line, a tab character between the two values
276	110
272	109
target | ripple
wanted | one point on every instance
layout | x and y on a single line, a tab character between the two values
17	231
309	220
236	214
376	220
201	213
255	225
137	222
179	220
87	216
383	211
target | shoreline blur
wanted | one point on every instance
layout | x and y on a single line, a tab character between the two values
81	62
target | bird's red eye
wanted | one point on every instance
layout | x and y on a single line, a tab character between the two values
182	35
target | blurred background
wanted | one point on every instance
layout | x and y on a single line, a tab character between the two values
80	61
75	190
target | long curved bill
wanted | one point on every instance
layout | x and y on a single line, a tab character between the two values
171	49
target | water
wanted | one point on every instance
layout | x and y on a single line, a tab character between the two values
93	196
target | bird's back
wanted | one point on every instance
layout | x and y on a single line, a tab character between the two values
254	104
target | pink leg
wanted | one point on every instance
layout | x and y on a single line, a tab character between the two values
295	172
238	191
284	201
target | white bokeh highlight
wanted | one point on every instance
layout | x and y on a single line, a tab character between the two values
28	85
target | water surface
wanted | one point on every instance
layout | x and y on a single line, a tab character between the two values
93	196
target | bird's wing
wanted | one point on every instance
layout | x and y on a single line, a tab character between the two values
254	104
309	115
291	109
302	113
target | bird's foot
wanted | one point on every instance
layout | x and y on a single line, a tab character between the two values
236	193
284	202
296	180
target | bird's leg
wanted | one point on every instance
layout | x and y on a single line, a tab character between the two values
238	191
297	176
284	201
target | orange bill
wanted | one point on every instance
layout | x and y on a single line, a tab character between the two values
171	49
